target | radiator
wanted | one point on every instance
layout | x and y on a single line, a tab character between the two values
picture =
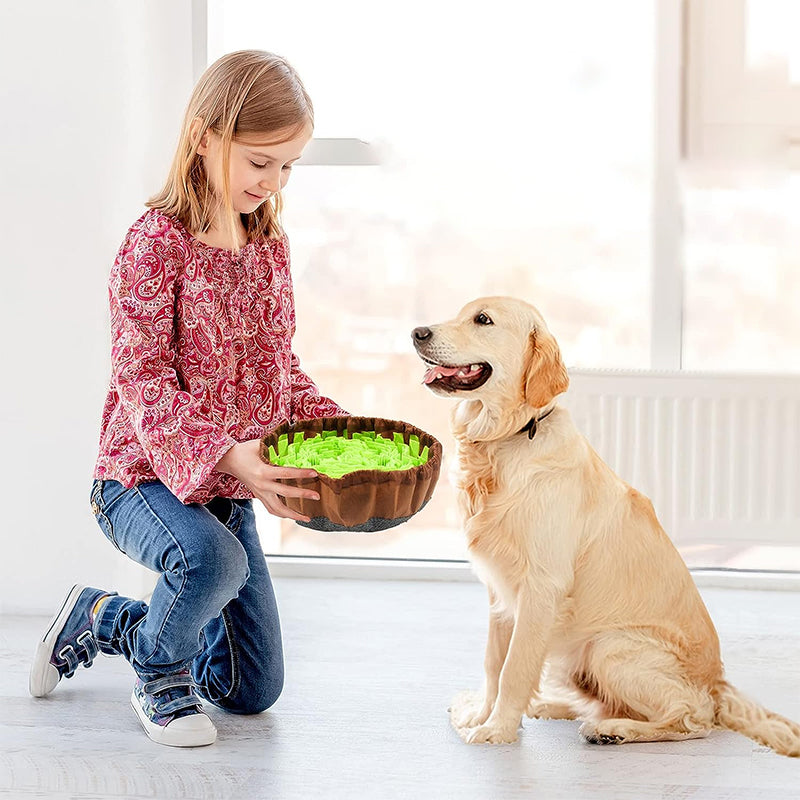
719	455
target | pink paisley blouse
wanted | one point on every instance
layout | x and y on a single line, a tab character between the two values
201	358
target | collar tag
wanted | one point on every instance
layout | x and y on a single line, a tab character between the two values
532	425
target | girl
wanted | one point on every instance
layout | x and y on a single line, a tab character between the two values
202	318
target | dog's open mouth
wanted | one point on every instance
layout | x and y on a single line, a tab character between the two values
456	378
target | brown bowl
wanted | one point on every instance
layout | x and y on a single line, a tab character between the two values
367	500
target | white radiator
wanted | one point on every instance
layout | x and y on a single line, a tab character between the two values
719	455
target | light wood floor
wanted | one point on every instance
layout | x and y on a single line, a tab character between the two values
371	667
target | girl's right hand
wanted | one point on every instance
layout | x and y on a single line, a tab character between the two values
244	462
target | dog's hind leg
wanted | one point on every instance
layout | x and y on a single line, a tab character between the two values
555	700
552	706
643	692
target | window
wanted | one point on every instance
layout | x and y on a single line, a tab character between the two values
517	150
742	190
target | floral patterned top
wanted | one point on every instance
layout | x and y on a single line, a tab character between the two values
201	358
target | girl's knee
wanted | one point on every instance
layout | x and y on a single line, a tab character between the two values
256	699
220	563
245	692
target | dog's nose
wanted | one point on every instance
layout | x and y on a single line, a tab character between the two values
421	334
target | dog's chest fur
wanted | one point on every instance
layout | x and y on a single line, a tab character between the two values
500	510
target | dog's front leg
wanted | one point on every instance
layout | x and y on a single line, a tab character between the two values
469	708
519	678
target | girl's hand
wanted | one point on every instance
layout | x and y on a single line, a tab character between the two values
244	462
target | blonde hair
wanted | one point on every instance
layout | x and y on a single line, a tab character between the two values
246	93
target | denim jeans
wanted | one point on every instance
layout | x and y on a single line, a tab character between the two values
213	609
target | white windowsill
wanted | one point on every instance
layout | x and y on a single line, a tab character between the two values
398	569
369	568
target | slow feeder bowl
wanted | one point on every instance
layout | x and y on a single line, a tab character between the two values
363	500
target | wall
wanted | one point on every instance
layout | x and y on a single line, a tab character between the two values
92	97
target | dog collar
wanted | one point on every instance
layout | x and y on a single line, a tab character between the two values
531	426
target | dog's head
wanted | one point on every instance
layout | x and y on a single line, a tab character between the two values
497	351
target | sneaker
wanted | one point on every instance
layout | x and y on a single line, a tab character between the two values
68	642
171	713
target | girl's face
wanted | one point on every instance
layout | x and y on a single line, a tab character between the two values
256	171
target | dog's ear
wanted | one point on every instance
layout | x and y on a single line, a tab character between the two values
544	376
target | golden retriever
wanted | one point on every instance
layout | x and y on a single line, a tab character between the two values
593	614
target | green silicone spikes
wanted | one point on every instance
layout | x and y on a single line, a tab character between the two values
335	454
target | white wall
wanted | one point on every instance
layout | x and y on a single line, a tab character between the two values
92	95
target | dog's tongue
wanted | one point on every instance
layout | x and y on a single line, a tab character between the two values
440	372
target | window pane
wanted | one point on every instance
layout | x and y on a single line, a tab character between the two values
742	238
516	152
742	276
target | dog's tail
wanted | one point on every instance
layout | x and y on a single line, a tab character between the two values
738	713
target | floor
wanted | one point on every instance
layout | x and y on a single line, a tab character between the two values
371	666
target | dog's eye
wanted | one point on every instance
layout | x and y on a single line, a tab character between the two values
483	319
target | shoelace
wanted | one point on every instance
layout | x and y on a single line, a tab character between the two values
86	653
181	680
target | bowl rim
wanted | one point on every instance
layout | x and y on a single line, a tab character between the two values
359	423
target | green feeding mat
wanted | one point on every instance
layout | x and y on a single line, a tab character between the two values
334	454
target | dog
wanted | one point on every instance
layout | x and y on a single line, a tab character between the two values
593	613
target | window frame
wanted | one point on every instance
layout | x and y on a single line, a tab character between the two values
666	285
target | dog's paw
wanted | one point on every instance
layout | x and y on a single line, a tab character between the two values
550	710
593	736
468	710
490	733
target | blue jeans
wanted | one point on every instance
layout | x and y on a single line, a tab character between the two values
213	609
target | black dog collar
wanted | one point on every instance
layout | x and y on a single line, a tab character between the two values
531	426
